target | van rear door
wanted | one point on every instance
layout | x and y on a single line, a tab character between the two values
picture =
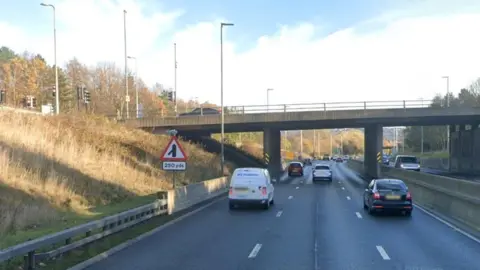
249	186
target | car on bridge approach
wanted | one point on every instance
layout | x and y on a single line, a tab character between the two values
202	111
387	195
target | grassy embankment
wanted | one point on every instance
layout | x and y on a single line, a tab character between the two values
58	172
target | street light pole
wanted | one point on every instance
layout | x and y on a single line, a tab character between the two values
175	75
222	137
136	84
421	133
448	105
127	98
268	97
57	91
301	143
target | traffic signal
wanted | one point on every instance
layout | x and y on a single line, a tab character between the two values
54	92
86	95
34	102
170	95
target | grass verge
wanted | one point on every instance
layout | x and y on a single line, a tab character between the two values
60	171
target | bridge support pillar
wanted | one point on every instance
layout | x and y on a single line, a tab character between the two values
272	151
464	140
373	146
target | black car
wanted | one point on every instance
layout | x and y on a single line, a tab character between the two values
387	195
339	160
201	111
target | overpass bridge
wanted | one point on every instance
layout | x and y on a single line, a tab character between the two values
370	115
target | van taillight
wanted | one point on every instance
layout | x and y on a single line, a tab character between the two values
409	196
376	196
264	191
230	191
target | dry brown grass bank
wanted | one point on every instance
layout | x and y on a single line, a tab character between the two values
51	167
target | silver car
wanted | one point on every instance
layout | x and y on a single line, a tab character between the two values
407	163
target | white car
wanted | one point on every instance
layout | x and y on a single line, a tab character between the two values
322	172
250	186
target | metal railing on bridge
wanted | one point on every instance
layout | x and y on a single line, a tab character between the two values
281	108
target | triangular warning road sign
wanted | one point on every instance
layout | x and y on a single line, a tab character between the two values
173	151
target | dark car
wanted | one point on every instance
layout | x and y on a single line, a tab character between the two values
307	161
339	160
385	159
295	168
387	195
202	111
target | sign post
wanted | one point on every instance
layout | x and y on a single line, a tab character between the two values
174	158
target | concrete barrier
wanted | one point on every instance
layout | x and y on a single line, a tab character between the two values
435	163
454	198
184	197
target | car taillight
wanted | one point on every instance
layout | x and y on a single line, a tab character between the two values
230	191
409	196
264	191
376	196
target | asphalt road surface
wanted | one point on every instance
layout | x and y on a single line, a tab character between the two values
311	227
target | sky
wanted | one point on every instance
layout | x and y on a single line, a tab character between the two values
306	51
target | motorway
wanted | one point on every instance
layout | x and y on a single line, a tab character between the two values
311	226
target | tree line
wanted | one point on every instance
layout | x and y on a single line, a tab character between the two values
435	137
28	74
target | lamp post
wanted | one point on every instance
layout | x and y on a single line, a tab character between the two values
222	137
448	105
57	91
175	76
127	97
136	84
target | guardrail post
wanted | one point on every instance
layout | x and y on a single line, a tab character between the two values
324	107
404	104
29	261
364	105
285	108
243	109
201	110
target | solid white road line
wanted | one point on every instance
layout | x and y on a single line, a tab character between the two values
348	198
383	253
358	214
255	251
471	237
279	213
290	197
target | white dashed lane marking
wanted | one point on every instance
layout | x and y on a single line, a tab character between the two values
290	197
348	198
255	251
358	214
279	213
383	253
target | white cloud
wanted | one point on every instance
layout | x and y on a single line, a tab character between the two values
393	58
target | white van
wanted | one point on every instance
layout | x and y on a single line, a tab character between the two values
250	186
